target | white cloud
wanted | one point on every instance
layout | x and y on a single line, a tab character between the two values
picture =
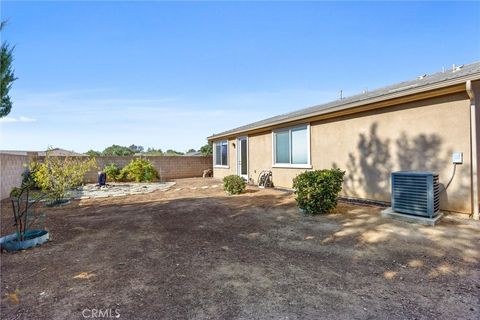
10	119
19	119
26	119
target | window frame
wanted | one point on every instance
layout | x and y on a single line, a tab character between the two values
215	165
307	165
238	152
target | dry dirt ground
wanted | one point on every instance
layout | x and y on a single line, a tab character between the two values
200	254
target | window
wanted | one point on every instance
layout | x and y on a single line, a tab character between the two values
292	147
221	153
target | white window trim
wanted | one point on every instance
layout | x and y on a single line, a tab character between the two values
215	155
291	165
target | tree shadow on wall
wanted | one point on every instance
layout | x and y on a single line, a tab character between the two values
421	153
371	171
370	167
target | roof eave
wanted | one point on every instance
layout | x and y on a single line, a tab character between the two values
386	97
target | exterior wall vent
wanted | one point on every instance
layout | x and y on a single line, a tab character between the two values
416	193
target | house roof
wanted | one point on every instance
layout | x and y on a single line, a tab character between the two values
421	84
193	154
61	153
54	152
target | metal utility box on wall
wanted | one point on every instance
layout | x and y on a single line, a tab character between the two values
416	193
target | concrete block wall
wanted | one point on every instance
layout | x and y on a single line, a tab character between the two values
11	168
169	167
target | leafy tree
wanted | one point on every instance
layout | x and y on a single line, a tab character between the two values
206	150
7	74
153	151
93	153
57	175
116	150
171	152
191	150
136	149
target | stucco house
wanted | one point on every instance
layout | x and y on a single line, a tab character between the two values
413	125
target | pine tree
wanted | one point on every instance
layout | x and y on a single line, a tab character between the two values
7	74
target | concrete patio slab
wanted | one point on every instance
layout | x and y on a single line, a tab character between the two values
411	218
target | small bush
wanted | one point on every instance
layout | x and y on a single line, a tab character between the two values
28	176
140	170
57	175
112	171
234	184
317	191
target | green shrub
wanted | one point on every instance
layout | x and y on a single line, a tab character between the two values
112	171
123	175
234	184
57	175
28	176
317	191
139	170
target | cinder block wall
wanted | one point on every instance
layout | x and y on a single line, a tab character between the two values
169	167
11	168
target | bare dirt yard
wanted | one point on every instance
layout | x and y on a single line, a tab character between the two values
196	253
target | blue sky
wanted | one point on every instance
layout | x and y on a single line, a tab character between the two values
167	75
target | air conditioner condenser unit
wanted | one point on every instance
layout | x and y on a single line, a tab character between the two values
416	193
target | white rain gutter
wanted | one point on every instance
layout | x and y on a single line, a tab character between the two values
473	146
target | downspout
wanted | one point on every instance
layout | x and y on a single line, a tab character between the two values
473	146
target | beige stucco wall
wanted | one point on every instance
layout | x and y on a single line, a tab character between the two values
220	172
260	158
413	136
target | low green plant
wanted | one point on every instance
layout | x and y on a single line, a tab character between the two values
139	170
234	184
112	171
316	192
28	176
123	175
56	175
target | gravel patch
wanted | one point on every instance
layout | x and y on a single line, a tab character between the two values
118	189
